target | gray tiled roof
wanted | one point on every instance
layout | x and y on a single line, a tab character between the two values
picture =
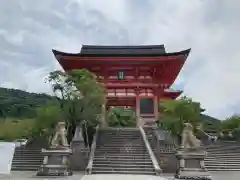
123	50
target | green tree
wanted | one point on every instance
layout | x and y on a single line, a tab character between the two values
231	124
120	117
46	120
15	103
11	129
80	95
174	113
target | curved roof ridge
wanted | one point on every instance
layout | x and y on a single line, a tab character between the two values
123	46
122	54
121	50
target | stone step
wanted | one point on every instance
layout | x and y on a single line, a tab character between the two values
135	129
121	149
128	155
149	169
124	160
27	161
225	158
120	132
120	135
122	144
228	149
28	157
110	146
133	141
122	165
223	164
120	154
215	170
130	134
130	139
25	167
30	154
123	172
224	155
117	145
224	152
222	160
137	140
126	150
119	161
221	148
28	150
221	167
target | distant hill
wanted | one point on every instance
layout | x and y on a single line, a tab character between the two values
211	124
21	104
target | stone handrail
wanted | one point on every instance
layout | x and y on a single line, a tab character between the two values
156	135
91	155
156	166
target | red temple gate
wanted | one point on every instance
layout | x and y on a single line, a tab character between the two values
132	75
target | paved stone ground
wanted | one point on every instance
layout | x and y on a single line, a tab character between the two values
25	175
77	176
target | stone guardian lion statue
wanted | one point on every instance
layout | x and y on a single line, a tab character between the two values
189	140
59	138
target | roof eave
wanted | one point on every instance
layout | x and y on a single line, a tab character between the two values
59	53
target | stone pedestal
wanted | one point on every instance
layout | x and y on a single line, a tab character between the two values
56	158
191	164
79	157
56	162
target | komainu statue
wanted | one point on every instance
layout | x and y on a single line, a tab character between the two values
59	138
189	140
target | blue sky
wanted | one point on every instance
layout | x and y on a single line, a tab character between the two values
30	29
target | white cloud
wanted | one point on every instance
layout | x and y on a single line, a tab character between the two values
211	74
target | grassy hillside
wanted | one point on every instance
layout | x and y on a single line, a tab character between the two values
11	128
210	123
20	104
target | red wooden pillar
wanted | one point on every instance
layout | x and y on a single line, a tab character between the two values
155	101
138	108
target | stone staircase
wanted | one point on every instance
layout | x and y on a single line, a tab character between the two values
223	157
121	151
27	159
166	144
164	149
